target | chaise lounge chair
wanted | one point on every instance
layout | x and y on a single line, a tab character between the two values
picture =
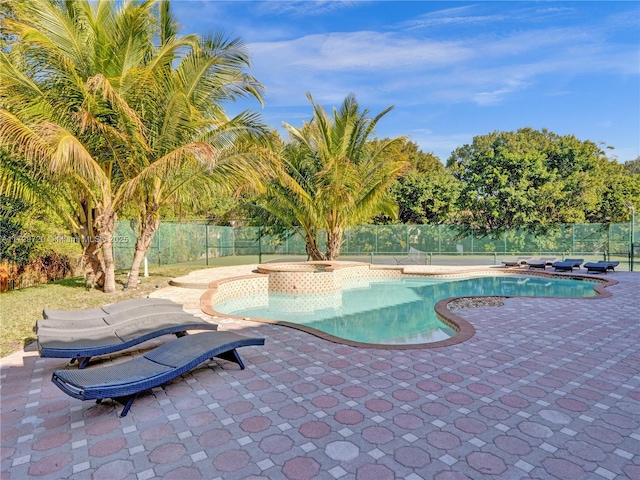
610	265
601	266
518	262
112	308
124	381
82	344
568	264
414	257
577	262
541	262
84	324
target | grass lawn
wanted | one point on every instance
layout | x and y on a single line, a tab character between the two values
19	309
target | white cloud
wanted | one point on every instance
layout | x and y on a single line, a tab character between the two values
440	144
371	51
457	16
384	66
308	8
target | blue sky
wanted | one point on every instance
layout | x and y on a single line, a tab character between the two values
453	70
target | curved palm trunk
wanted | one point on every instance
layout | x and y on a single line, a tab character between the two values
311	246
143	242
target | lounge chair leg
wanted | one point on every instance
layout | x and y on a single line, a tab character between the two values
232	356
127	402
83	362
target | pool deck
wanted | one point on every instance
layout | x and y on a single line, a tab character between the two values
547	388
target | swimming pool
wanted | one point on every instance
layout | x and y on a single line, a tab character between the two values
398	311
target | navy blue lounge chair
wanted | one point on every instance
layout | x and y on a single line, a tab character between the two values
601	266
124	381
518	262
568	264
84	324
83	343
577	262
541	262
112	308
610	265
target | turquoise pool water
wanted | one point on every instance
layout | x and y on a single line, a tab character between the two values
393	312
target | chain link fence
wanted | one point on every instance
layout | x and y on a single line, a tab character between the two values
198	243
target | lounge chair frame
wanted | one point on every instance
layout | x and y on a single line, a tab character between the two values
414	257
541	262
568	264
85	324
112	308
82	344
518	262
601	266
124	381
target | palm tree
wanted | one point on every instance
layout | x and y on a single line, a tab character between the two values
189	140
90	97
62	109
331	176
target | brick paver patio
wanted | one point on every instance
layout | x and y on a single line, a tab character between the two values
547	388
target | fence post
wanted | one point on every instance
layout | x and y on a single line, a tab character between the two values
206	242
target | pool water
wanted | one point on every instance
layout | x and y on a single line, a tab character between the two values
392	311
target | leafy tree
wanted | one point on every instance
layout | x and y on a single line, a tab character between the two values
633	166
33	210
419	161
330	176
616	188
426	197
527	179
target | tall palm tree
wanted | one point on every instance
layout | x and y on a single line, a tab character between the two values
331	176
61	111
89	95
189	140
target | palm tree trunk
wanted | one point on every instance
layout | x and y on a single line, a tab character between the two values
334	242
105	224
109	266
311	246
143	242
92	264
